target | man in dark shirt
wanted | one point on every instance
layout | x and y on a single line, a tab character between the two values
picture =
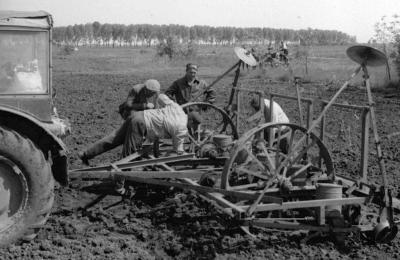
185	89
188	89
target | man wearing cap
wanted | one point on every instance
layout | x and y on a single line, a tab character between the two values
187	88
168	121
140	97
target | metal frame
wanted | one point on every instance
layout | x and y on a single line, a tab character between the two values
268	200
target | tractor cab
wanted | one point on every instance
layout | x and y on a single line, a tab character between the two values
32	154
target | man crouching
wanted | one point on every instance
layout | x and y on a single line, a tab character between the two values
168	121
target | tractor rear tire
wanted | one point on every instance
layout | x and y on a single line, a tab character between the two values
26	188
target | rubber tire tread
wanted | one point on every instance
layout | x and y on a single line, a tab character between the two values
37	172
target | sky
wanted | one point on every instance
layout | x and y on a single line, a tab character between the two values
354	17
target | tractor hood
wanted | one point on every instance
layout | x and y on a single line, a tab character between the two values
39	19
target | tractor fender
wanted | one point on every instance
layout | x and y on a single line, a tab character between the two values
29	126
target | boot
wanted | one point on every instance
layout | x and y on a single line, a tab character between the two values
83	157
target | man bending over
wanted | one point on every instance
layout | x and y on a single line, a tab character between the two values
168	121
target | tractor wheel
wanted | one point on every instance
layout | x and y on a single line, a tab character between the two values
26	188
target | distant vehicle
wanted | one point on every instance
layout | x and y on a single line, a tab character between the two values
32	155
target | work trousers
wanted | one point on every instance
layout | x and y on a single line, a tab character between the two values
131	134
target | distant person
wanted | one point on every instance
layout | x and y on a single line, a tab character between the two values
283	52
283	48
168	121
189	87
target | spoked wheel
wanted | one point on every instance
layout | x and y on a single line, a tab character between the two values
204	122
292	158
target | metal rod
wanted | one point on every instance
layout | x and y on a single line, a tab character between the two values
235	194
218	79
141	174
296	83
148	162
376	136
235	80
365	123
307	204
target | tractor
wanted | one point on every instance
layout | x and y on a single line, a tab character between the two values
32	154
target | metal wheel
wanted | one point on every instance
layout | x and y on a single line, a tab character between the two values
205	121
255	162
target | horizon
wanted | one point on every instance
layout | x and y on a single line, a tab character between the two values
353	17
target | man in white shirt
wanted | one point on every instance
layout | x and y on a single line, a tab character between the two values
168	121
278	116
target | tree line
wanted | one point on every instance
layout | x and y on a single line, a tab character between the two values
98	34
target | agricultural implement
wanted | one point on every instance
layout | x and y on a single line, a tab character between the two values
276	175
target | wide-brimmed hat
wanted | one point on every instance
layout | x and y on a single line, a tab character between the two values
152	85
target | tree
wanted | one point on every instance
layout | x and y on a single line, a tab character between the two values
89	33
106	33
96	32
387	31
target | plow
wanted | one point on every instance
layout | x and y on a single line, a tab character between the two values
276	175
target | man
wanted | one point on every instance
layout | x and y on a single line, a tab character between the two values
169	121
283	52
278	116
187	89
140	97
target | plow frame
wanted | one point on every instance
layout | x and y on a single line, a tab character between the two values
163	173
357	193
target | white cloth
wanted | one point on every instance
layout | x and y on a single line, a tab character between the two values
278	115
167	122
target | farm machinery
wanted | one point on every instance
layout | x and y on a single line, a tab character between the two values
32	154
275	175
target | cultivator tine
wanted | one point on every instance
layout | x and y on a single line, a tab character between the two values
246	230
